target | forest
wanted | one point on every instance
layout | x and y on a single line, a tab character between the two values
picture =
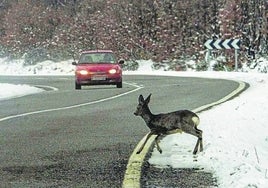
135	29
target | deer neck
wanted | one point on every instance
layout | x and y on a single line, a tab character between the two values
147	116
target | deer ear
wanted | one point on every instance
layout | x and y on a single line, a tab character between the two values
141	99
147	100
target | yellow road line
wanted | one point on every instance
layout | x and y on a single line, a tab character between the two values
133	172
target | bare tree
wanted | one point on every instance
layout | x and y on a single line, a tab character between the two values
142	29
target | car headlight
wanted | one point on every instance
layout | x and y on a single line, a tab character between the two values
112	71
83	72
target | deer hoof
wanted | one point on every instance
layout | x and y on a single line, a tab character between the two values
194	152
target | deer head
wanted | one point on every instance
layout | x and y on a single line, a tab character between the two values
142	107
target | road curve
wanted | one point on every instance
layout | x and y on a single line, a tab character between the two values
63	137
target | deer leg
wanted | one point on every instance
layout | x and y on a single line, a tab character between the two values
199	141
201	144
198	133
147	138
157	141
200	138
196	146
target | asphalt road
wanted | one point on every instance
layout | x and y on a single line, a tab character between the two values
70	138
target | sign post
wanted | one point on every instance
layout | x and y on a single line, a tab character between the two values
221	44
236	60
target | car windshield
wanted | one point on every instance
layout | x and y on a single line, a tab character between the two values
96	58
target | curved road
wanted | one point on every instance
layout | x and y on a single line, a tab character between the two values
84	138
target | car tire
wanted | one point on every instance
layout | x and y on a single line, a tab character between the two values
77	86
119	85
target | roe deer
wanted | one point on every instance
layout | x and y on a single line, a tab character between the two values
170	123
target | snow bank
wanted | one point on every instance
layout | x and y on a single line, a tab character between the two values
235	136
17	67
8	91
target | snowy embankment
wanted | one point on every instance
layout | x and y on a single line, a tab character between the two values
235	132
235	137
8	91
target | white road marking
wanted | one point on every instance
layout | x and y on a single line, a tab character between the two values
137	87
46	87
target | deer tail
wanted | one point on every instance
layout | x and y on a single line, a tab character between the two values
196	120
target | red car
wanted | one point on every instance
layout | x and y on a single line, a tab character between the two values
98	67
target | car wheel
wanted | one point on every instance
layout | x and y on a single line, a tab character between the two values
119	85
77	86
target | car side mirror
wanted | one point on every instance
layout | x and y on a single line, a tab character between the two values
121	61
74	63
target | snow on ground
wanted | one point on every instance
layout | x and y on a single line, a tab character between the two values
45	68
235	133
235	137
8	91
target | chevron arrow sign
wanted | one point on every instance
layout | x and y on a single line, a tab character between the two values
222	44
